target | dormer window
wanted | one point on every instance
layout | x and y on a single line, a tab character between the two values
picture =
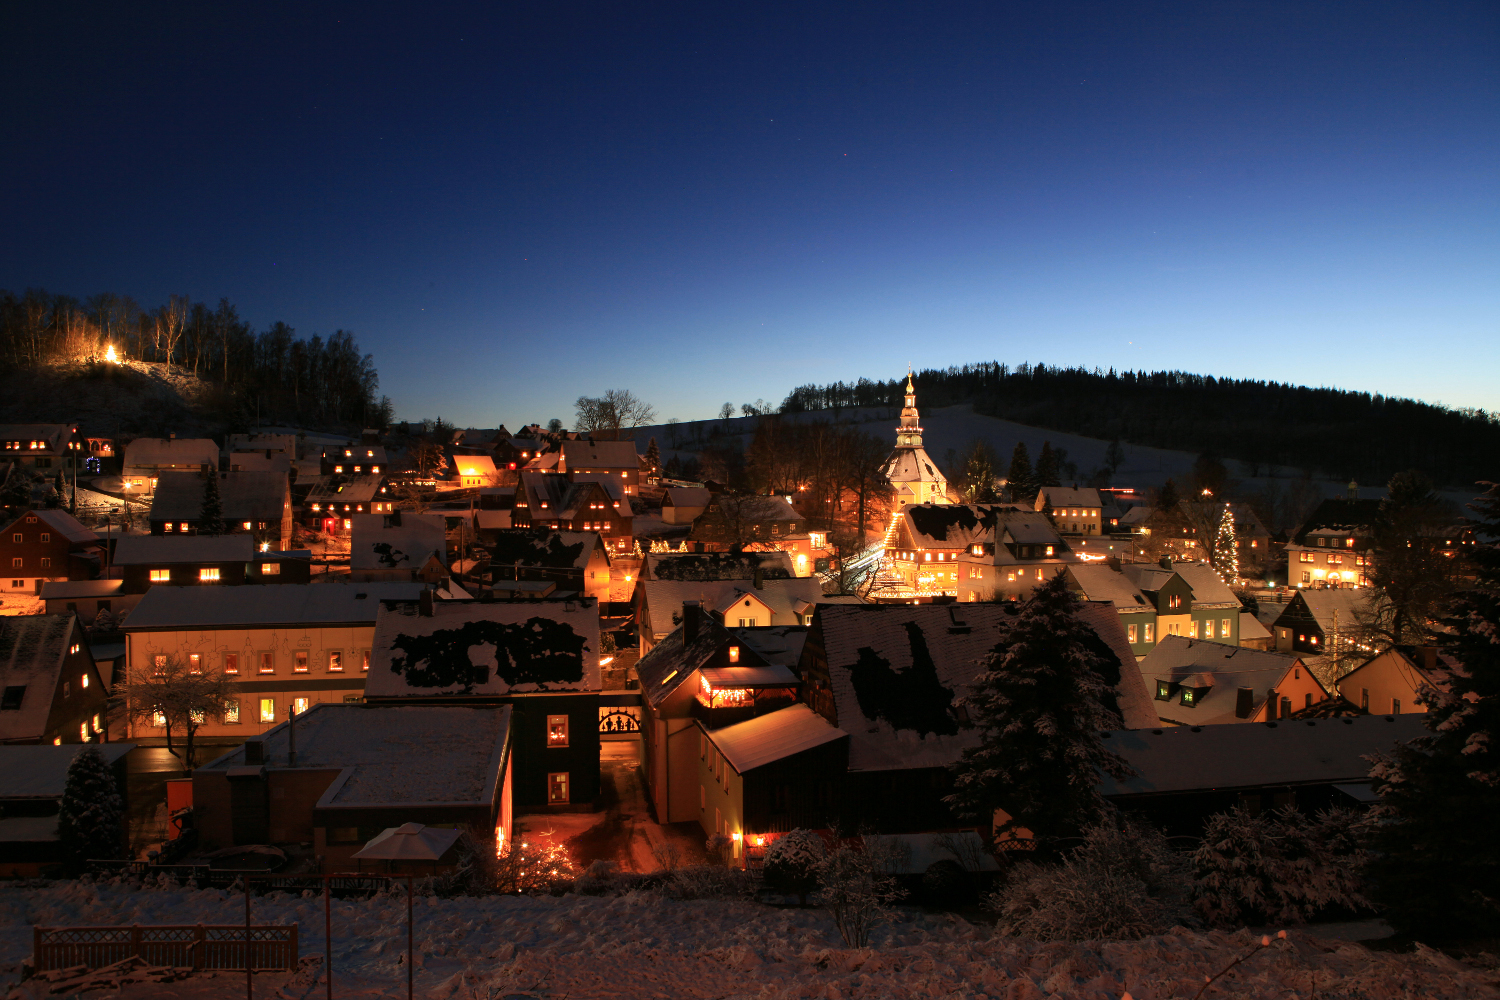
1164	690
734	654
1174	600
1189	696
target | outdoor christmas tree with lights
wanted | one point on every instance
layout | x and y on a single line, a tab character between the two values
1226	548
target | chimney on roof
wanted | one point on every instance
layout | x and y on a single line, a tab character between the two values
424	604
692	620
1166	562
1244	701
758	578
1271	705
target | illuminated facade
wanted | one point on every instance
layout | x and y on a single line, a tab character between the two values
910	470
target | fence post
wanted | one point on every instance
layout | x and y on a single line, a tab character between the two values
291	955
36	949
198	946
135	940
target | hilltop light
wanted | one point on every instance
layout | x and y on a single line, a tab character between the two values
109	355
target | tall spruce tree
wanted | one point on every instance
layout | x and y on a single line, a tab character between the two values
1022	480
1226	553
1437	869
1045	695
211	517
55	496
653	459
1167	497
89	818
1048	467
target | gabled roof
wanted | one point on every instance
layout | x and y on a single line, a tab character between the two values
342	489
1149	577
1222	669
774	736
911	465
914	661
32	651
1100	583
779	645
951	525
407	754
257	606
286	443
1208	586
1340	515
672	661
582	454
553	496
1136	515
41	771
716	566
56	435
484	648
543	549
65	524
474	465
1321	751
138	550
663	597
1066	496
1251	628
243	496
686	496
398	540
1323	605
156	452
1028	529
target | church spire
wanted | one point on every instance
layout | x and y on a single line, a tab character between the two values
909	433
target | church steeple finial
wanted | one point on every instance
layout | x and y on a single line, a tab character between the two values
909	434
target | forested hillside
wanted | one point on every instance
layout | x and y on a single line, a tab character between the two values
272	374
1332	432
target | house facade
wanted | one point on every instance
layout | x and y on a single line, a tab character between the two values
147	458
585	503
1074	511
256	503
144	561
1393	682
1196	682
41	546
51	690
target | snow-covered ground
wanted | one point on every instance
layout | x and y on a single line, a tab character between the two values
641	945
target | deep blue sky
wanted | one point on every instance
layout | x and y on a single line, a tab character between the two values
510	205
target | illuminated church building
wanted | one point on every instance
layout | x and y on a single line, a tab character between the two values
911	471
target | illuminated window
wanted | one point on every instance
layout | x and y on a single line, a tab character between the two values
557	730
734	654
160	575
1150	631
231	663
96	724
299	706
338	468
364	660
160	663
335	661
195	663
1130	633
208	574
183	526
299	662
268	662
268	710
347	524
557	788
270	569
1223	628
1189	696
159	719
83	732
232	712
167	526
247	525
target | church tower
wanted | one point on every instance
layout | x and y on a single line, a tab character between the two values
910	470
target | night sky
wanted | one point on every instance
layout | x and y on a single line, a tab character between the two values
510	205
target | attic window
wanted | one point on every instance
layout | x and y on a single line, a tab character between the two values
1189	696
1163	690
734	654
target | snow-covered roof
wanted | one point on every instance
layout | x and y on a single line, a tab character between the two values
1312	751
67	525
1101	583
911	465
32	651
662	597
56	435
1323	605
717	566
1209	588
243	496
1067	496
669	663
493	520
962	525
686	496
406	754
409	842
60	590
544	549
914	661
484	648
398	540
774	736
474	465
263	606
138	550
749	677
777	644
166	453
582	455
1219	667
343	489
1136	515
41	771
252	461
284	443
1251	628
1148	577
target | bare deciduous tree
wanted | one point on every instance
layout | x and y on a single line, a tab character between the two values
607	415
171	694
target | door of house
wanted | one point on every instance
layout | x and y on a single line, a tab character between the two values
249	810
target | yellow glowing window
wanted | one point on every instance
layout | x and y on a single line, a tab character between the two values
195	663
335	661
231	663
247	525
268	663
208	574
160	575
268	710
232	712
557	730
270	569
734	654
299	662
299	705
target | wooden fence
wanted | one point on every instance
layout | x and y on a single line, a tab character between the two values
200	946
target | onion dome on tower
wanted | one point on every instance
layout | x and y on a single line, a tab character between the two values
910	470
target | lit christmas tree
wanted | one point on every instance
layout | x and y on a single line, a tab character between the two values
1226	548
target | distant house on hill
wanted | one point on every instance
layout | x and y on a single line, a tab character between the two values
1332	547
616	459
49	446
332	502
197	560
575	561
683	504
971	552
1319	622
256	503
146	459
716	566
1075	511
353	459
400	545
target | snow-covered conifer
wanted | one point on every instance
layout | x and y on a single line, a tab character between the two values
1438	865
89	817
1043	699
791	863
211	517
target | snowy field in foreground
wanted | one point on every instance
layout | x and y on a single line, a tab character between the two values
643	946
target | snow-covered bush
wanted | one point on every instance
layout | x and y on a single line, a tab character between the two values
720	847
668	855
1279	867
1120	883
90	816
857	890
709	882
791	863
